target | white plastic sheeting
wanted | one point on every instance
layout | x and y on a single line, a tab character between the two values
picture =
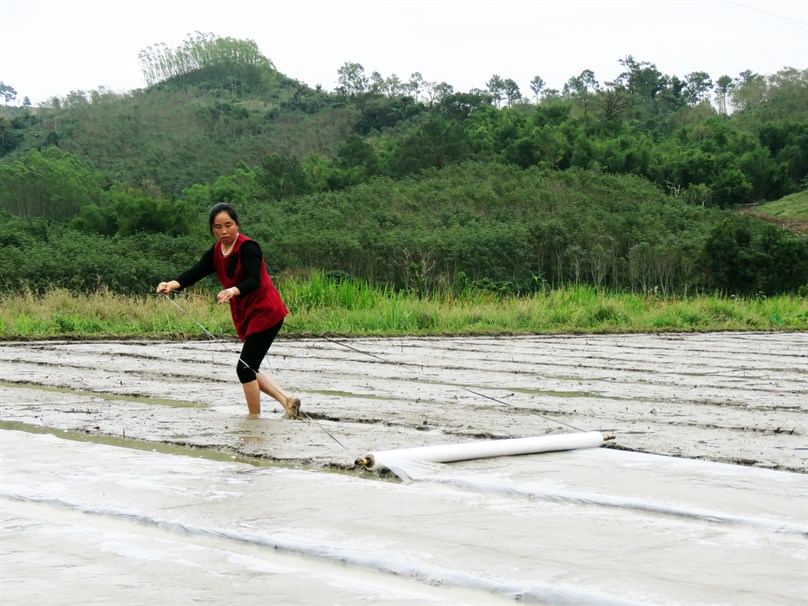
467	451
85	523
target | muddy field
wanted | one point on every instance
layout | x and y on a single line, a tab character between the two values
726	397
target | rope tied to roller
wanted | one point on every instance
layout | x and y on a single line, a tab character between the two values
377	357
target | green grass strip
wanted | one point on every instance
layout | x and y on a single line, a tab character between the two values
320	306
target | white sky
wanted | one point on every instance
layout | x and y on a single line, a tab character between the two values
51	47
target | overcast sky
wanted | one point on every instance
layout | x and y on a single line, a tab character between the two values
51	47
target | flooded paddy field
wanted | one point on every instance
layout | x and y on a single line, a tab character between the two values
135	465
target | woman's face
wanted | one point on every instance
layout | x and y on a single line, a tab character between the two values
225	230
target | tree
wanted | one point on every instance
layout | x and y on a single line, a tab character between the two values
229	56
376	83
382	112
726	257
740	256
512	92
415	85
51	184
698	86
393	86
786	96
641	78
730	187
437	143
580	88
460	106
7	92
582	84
9	137
613	103
496	88
282	176
434	92
319	172
749	90
536	87
352	79
672	97
723	87
128	213
357	159
698	194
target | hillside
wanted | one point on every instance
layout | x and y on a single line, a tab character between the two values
229	107
416	186
790	212
178	133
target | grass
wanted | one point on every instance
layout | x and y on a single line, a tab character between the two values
322	306
794	207
790	211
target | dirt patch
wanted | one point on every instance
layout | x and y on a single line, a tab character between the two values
800	227
729	397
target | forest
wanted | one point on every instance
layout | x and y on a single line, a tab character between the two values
640	184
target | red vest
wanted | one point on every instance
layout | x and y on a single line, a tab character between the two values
254	312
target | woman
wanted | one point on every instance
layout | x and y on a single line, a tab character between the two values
255	304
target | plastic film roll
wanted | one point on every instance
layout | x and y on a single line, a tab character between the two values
446	453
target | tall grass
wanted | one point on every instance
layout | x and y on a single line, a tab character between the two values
322	305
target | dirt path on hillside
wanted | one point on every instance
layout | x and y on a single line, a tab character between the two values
800	227
729	397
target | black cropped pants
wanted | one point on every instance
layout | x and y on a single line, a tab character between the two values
253	352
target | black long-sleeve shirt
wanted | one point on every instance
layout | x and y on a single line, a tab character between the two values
250	262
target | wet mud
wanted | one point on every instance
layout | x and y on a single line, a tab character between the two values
726	397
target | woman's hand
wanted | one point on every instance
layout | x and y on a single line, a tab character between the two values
164	288
225	295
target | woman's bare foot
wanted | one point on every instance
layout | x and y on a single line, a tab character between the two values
292	408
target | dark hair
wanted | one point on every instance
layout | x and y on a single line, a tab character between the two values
222	207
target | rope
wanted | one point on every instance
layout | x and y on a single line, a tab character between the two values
377	357
476	393
257	372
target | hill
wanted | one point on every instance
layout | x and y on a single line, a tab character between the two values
634	184
185	131
215	104
469	225
790	212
